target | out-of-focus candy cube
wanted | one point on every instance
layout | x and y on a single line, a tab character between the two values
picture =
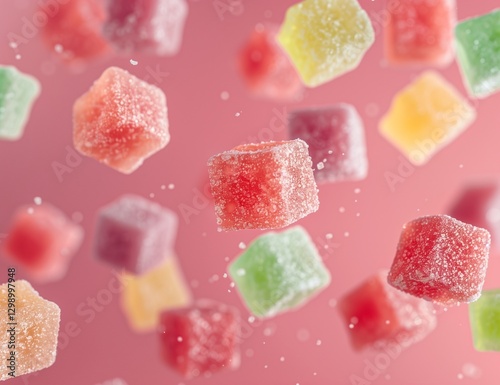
441	259
425	117
73	29
478	52
279	272
35	330
326	38
120	121
420	32
336	140
266	69
43	241
135	234
202	339
18	92
484	317
378	315
263	186
146	296
153	26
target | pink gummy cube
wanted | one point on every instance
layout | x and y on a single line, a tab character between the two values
266	68
73	28
135	234
263	186
336	140
120	121
43	241
153	26
201	339
377	315
420	32
441	259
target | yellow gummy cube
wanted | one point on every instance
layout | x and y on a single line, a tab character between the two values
425	117
146	296
325	38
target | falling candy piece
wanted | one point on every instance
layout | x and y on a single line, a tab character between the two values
484	317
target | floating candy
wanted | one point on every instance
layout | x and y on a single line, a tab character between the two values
35	329
478	53
378	315
326	38
263	186
336	140
279	272
153	26
18	92
425	117
42	240
266	69
135	234
484	317
441	259
202	339
146	296
420	32
120	121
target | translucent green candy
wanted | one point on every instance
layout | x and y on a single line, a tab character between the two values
279	272
484	317
17	94
478	50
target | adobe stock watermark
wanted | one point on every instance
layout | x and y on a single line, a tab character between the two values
233	7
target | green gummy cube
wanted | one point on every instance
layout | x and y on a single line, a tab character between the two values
18	92
478	51
484	317
279	272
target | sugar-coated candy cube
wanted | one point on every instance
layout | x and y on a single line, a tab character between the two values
135	234
263	186
279	272
153	26
202	339
42	240
478	53
425	117
18	92
35	331
479	205
336	140
73	29
375	314
420	32
441	259
146	296
326	38
120	121
484	315
266	68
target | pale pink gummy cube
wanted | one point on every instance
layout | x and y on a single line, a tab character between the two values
42	240
120	121
263	186
336	140
152	26
135	234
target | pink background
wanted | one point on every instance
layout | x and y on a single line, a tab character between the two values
312	340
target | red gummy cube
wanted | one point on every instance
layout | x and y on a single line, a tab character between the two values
43	241
420	32
153	26
378	315
120	121
336	140
266	68
441	259
263	186
75	26
202	339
